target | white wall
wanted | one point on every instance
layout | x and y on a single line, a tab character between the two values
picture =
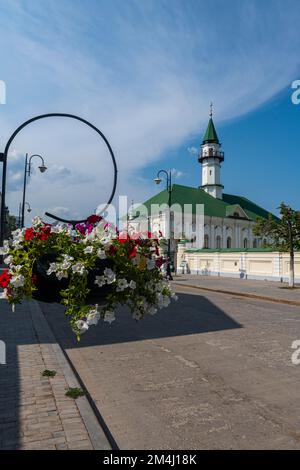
272	266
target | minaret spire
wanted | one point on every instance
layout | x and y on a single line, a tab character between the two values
211	157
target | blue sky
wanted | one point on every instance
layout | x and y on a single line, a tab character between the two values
144	72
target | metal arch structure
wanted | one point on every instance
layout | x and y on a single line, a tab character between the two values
3	159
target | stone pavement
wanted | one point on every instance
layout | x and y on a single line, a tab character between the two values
212	371
265	289
34	411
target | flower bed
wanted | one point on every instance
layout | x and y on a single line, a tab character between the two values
84	267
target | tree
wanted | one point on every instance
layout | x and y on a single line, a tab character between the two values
283	233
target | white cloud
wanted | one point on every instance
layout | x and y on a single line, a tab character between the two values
177	174
193	151
146	81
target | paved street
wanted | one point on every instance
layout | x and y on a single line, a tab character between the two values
212	371
273	290
34	411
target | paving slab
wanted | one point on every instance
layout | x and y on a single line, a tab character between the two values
211	371
274	291
34	411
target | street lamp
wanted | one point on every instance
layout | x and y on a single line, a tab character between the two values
27	171
157	181
28	207
3	160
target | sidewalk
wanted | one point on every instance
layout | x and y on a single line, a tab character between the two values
265	290
34	411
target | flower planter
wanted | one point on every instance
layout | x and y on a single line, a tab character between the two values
83	268
49	287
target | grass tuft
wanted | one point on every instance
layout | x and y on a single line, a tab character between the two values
49	373
74	392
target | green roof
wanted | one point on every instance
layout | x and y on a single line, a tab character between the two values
210	135
212	206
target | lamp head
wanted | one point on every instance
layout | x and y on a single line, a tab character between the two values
157	180
42	168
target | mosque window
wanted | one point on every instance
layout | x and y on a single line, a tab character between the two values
228	243
206	241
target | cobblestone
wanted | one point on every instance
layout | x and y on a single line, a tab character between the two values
34	412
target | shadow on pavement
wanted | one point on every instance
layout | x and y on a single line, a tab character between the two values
191	314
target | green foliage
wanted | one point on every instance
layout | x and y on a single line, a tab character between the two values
49	373
134	278
74	392
285	233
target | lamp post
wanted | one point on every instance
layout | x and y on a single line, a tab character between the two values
27	171
3	160
169	189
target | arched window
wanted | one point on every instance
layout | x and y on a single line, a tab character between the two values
228	242
245	242
206	241
254	243
211	151
218	242
265	242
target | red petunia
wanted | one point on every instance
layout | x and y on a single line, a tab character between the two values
93	219
123	237
133	251
44	233
159	262
112	250
4	279
29	234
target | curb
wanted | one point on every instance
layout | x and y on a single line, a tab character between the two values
240	294
90	419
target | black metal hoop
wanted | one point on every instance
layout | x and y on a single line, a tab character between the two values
72	116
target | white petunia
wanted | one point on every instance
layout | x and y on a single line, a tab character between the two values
52	268
109	316
152	310
93	317
61	274
4	250
88	249
132	285
122	284
137	315
8	260
101	254
37	221
79	268
17	281
82	326
174	296
100	281
109	275
58	228
4	294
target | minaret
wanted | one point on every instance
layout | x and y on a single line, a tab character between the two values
211	157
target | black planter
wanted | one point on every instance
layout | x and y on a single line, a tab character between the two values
49	287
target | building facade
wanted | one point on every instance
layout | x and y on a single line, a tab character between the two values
228	219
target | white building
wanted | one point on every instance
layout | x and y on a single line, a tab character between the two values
228	219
